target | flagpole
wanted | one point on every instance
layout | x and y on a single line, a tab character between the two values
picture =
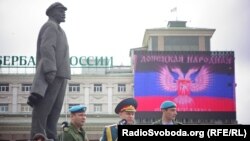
174	10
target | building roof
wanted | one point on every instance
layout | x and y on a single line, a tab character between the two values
176	28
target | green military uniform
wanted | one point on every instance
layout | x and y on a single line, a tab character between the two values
72	134
159	122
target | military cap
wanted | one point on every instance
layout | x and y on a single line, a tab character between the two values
128	104
168	104
78	108
53	6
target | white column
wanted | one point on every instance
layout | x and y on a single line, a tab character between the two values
14	98
110	101
202	43
160	43
86	96
132	90
65	107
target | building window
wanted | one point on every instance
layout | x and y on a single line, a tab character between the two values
4	108
25	108
97	108
4	87
121	88
74	87
181	43
97	87
26	87
154	43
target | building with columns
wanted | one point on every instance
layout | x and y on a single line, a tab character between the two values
100	89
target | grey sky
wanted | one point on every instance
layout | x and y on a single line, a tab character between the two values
113	27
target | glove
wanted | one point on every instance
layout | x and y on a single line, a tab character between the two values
34	99
50	76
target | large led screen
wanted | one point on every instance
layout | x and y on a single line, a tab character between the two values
195	81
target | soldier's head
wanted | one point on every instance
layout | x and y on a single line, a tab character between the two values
78	115
126	109
168	109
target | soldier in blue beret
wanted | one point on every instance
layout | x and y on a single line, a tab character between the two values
126	110
169	114
75	131
78	108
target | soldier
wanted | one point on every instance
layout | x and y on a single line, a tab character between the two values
126	110
169	114
75	131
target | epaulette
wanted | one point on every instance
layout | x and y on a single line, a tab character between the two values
178	123
111	125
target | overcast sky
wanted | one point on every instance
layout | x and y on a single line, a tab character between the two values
113	27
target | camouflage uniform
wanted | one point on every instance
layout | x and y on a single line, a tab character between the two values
159	122
72	134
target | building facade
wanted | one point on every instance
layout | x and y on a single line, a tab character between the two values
100	89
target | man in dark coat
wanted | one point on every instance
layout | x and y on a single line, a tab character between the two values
126	110
169	114
52	73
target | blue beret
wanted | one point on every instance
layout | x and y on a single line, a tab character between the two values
167	104
128	104
78	108
53	6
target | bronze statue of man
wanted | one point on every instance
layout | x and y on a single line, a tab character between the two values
52	72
